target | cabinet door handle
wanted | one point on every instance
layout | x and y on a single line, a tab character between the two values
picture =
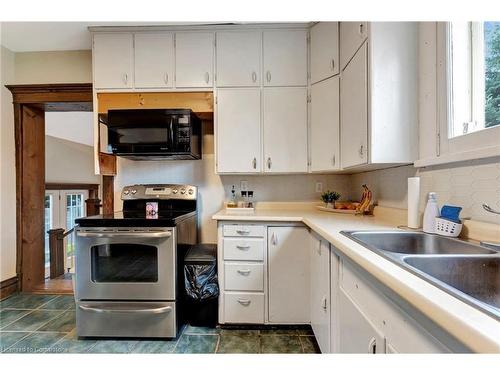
207	77
324	303
254	163
361	150
274	239
242	231
333	64
333	160
244	302
165	78
268	76
243	247
125	78
269	163
372	346
254	77
244	272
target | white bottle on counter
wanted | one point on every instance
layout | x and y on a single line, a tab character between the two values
430	214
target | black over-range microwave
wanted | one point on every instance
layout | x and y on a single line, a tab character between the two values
154	134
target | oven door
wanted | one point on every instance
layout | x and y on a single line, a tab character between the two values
125	264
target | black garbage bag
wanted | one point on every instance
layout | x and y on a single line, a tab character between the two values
200	281
200	272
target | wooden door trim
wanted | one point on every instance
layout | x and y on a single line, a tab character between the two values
37	98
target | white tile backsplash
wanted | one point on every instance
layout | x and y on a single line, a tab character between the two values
467	184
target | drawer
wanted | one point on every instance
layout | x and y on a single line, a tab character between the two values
247	277
238	230
243	248
126	319
244	307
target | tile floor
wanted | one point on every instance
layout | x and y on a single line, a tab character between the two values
46	324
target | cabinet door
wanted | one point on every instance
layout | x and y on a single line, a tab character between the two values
154	60
325	125
324	50
285	129
238	58
194	55
288	268
352	35
238	131
334	301
113	60
354	111
320	293
285	58
357	333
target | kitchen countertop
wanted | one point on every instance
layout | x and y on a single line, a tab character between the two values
475	329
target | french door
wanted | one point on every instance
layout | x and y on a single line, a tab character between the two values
62	207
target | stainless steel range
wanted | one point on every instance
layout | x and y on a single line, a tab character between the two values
128	263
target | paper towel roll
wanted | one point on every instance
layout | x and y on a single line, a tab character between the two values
413	202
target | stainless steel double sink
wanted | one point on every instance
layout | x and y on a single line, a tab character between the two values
467	271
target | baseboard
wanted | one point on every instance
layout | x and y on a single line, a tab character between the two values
8	287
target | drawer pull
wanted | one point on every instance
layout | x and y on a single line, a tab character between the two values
244	272
244	302
241	231
243	247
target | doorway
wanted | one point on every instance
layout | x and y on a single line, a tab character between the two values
30	104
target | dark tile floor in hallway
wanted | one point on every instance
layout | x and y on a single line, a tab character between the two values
46	324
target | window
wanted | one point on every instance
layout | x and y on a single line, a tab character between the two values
473	77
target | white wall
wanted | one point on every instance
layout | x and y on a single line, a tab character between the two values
73	126
53	67
69	162
7	170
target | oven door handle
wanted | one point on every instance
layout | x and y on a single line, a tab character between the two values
124	234
156	310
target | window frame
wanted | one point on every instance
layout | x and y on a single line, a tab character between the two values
484	143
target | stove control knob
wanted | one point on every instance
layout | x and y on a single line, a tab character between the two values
191	191
183	191
175	191
126	192
134	191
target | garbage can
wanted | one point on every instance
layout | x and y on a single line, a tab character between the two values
201	285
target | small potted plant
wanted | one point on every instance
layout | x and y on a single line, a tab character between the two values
330	197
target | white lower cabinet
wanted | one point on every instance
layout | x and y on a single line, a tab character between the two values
288	262
357	333
320	292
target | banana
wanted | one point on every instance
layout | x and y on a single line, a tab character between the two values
366	199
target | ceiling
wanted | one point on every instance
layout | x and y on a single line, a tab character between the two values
57	36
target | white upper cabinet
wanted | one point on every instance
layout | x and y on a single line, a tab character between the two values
238	58
352	35
194	57
354	110
285	58
324	51
238	130
154	60
325	125
113	60
285	129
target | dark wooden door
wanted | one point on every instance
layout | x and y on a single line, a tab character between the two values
33	196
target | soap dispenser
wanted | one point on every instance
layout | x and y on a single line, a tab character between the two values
430	214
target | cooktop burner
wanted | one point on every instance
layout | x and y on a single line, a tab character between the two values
135	219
